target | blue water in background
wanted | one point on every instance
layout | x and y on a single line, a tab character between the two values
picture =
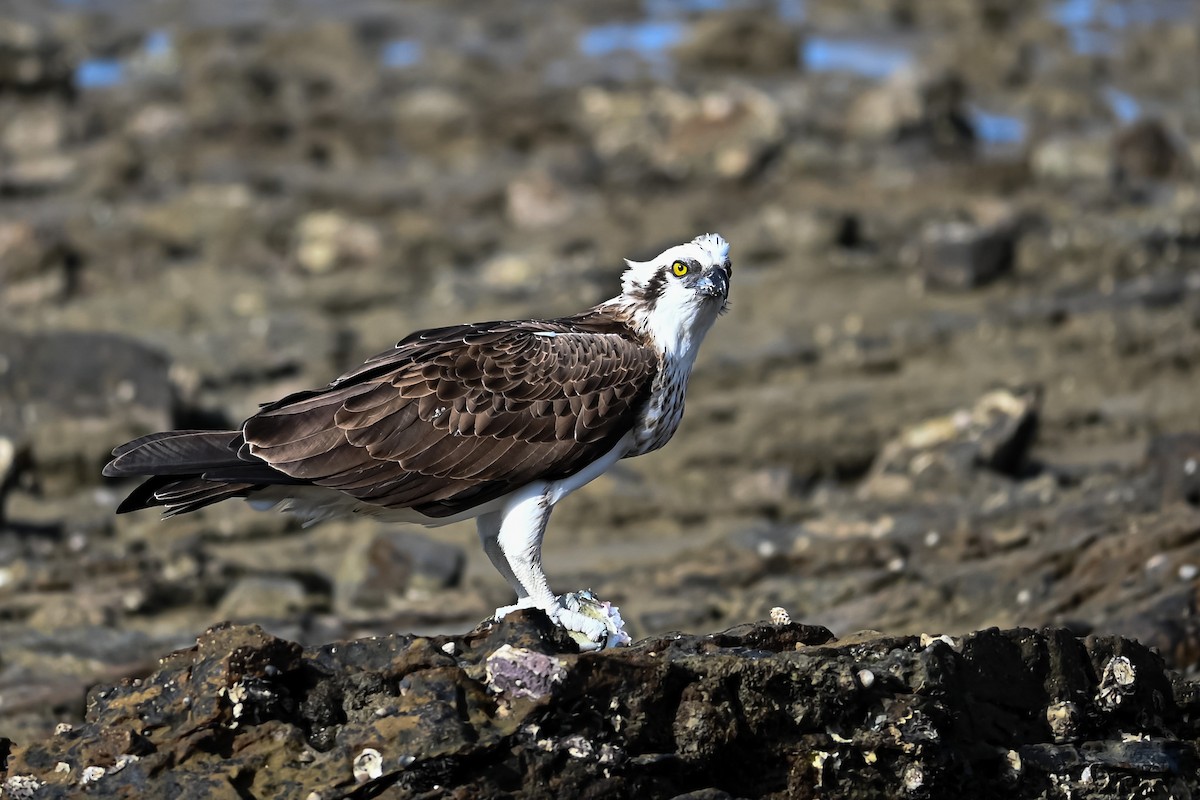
1095	27
401	53
99	73
870	59
105	72
649	38
998	129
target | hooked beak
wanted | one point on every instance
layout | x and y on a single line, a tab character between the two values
714	284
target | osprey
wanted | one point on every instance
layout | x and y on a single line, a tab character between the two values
496	421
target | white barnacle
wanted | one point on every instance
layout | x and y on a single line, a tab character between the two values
123	761
91	775
236	695
20	787
368	765
1115	682
914	777
780	616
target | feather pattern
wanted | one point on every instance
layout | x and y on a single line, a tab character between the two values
448	419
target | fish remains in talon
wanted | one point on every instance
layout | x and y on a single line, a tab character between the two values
496	421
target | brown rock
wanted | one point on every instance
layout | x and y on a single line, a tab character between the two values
759	710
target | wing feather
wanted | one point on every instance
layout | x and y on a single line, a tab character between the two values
453	417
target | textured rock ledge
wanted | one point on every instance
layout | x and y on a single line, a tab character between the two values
510	711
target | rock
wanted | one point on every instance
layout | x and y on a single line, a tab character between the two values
1146	151
73	395
726	134
1175	460
327	240
32	58
538	201
961	255
509	710
205	217
33	129
37	263
740	41
1071	157
995	434
916	108
262	597
390	564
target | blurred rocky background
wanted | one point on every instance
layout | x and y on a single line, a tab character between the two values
957	388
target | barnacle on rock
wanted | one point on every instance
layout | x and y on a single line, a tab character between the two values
1115	682
368	765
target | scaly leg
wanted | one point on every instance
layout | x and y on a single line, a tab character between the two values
520	538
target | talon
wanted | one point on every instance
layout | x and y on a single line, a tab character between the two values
503	611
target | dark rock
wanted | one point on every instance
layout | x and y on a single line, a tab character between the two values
1146	151
758	710
961	255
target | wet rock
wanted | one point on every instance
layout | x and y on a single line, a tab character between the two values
962	255
679	715
740	41
390	564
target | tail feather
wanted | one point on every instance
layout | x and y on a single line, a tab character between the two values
151	437
189	470
175	453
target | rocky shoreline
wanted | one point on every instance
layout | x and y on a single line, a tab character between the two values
955	391
766	710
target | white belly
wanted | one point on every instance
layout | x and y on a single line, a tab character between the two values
313	504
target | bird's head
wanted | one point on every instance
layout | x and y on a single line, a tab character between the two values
676	296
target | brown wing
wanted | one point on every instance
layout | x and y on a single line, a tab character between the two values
455	417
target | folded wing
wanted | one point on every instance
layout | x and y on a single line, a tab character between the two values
455	417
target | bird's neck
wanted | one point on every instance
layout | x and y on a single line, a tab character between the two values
675	333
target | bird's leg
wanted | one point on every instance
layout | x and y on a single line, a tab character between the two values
521	530
488	526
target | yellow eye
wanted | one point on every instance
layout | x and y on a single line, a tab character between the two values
679	268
